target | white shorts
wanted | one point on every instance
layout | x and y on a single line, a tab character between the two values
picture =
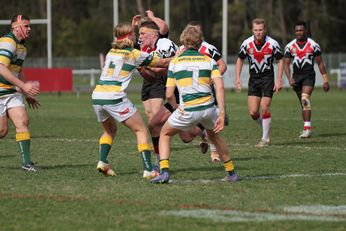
186	120
120	112
10	101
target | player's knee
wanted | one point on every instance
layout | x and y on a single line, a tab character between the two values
3	132
306	104
254	115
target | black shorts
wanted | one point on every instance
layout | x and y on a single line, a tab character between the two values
303	80
261	86
152	90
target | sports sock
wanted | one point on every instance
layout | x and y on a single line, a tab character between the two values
164	165
105	146
229	167
266	124
144	151
23	139
307	125
212	147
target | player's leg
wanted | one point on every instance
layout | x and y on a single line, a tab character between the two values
167	132
105	142
3	125
223	152
266	121
254	103
20	119
155	124
306	110
136	124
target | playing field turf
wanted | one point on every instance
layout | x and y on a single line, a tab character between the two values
291	185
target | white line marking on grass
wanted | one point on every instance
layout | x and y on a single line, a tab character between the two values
240	216
269	177
317	209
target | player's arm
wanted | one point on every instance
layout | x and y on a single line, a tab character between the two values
220	97
30	99
171	97
278	82
222	66
238	68
323	71
27	88
287	70
148	73
159	22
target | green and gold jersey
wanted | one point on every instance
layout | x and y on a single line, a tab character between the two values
117	73
192	73
12	55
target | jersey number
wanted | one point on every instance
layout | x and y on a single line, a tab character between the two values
113	68
195	76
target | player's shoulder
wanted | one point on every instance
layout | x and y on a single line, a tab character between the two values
166	48
208	45
8	43
271	40
248	40
313	42
290	44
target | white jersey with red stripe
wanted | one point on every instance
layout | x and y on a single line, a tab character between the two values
208	50
260	56
303	54
164	48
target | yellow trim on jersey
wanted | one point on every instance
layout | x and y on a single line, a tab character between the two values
4	60
8	40
215	73
198	101
107	88
170	82
204	80
184	82
5	86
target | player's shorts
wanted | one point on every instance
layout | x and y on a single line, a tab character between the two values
10	101
186	120
120	112
153	90
261	86
303	80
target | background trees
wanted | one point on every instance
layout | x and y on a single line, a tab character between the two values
84	28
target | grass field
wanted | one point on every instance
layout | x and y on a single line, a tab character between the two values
292	185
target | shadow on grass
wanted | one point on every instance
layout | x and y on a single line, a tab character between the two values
254	158
7	156
212	168
301	142
62	166
336	134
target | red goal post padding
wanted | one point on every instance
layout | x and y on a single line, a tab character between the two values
52	79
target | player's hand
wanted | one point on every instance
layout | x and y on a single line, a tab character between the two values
291	82
150	14
136	20
237	84
326	86
32	102
277	87
31	88
220	123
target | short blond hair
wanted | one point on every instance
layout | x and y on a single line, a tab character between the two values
191	37
258	21
120	30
